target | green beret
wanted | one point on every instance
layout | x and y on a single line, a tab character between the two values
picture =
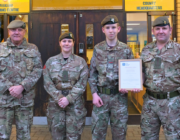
111	19
68	35
16	24
161	21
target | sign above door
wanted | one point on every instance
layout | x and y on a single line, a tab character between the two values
14	6
149	5
76	4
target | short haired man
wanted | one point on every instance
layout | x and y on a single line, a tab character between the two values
108	102
20	69
161	68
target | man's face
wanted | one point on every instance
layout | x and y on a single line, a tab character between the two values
66	45
111	31
162	33
16	34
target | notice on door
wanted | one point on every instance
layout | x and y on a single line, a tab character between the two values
14	6
149	5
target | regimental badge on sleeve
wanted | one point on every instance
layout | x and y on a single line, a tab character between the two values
44	67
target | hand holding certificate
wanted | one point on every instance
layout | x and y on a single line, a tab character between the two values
130	74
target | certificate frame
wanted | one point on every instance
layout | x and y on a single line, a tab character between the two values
123	62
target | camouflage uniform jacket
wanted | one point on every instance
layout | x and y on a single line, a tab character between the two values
104	64
70	74
161	67
19	65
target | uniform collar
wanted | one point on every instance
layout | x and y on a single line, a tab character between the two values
169	45
71	58
113	48
21	46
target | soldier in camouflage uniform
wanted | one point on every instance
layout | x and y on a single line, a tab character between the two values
20	69
65	80
161	68
108	102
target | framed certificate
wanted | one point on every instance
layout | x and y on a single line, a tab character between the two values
130	74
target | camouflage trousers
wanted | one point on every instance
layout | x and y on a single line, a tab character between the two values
68	123
23	119
157	112
115	109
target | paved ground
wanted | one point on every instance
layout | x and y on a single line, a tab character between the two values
40	132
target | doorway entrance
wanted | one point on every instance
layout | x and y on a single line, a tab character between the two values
45	29
90	34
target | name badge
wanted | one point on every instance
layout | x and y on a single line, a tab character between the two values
110	62
65	77
157	63
17	56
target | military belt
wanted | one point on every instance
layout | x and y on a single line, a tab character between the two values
163	95
108	91
65	92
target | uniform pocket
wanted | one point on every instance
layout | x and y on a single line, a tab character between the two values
27	99
29	64
2	68
172	118
29	56
80	113
94	120
147	63
101	65
102	80
3	61
3	100
122	99
22	71
74	75
172	68
55	75
2	65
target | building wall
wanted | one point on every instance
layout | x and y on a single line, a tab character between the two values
76	4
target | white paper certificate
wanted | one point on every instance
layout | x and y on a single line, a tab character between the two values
130	74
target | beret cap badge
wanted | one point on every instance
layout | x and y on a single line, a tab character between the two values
24	25
68	35
112	19
161	21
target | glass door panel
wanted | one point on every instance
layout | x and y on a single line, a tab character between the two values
24	18
136	40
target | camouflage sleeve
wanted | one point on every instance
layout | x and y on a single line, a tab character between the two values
93	74
31	79
49	85
143	66
130	56
5	84
141	57
79	88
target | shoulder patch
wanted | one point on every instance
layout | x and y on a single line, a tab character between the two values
44	67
